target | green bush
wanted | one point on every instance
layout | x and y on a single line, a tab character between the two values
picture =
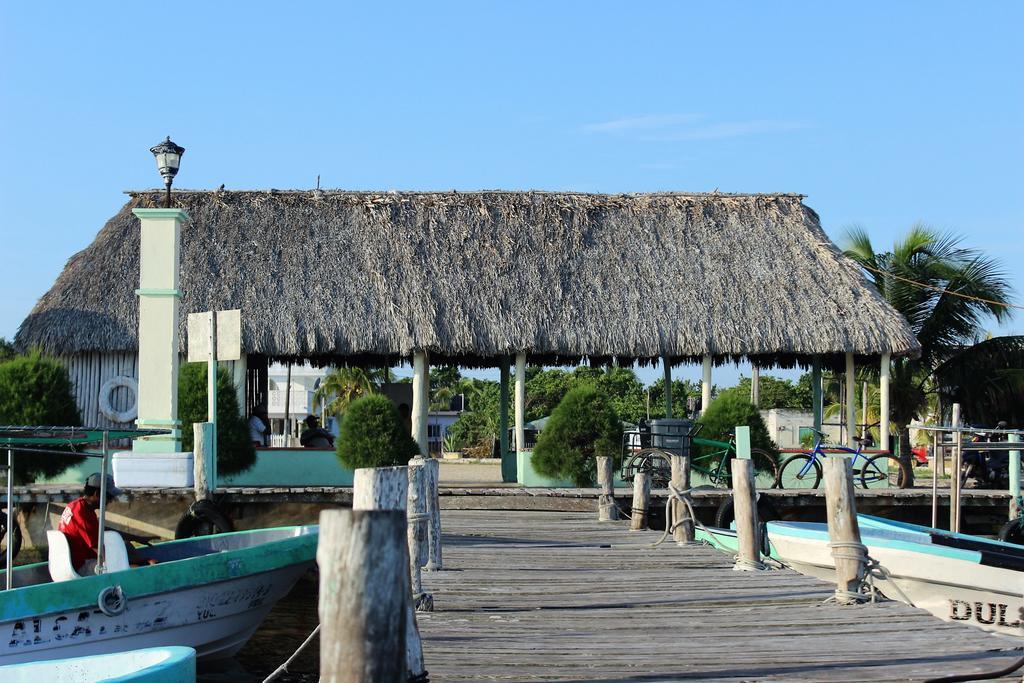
582	427
732	409
235	452
36	390
374	435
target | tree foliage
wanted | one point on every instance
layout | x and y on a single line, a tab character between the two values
987	379
774	392
344	385
374	435
36	390
235	452
582	426
732	408
943	322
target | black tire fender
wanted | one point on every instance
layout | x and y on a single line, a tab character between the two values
203	518
1012	532
724	515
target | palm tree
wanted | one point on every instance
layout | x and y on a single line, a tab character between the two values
343	386
945	292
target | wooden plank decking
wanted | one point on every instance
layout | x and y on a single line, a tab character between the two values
554	596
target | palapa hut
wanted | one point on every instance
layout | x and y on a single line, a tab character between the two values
476	278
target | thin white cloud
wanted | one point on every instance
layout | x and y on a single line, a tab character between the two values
682	127
642	122
732	129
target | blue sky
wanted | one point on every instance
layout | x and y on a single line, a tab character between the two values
883	114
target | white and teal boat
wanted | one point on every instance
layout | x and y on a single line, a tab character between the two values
152	665
956	577
209	593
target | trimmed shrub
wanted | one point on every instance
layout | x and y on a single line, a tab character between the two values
373	434
730	409
582	427
36	390
235	452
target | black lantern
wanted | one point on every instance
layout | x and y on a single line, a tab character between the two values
168	159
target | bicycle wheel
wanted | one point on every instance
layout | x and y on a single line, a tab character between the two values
766	469
800	471
884	471
656	463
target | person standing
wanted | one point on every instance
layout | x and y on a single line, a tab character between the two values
259	426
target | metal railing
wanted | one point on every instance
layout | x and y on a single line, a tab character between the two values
956	442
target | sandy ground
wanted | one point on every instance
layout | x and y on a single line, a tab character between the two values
470	473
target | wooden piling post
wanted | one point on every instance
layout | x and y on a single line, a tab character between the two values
418	520
433	472
204	450
364	589
386	488
606	510
682	523
641	501
744	505
843	531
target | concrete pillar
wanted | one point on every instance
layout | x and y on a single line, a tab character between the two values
520	401
851	402
816	393
705	385
508	458
883	399
159	256
668	386
420	400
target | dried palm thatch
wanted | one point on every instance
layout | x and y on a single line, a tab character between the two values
368	277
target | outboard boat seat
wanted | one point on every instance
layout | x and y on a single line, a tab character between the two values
60	565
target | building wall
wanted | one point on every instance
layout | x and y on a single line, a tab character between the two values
89	371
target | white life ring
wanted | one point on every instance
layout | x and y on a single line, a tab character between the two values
107	391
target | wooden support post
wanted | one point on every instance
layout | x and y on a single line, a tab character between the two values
386	488
744	505
380	488
606	509
419	550
520	407
883	402
682	523
420	400
203	454
668	386
816	393
957	464
755	385
641	501
843	532
705	385
433	471
851	402
364	596
1014	478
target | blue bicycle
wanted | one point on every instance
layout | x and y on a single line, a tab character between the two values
883	470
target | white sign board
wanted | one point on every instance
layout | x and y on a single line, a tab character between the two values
229	336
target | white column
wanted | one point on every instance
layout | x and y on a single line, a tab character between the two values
705	385
851	402
420	399
755	385
159	255
520	401
883	399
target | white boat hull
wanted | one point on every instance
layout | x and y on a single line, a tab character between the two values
216	619
951	588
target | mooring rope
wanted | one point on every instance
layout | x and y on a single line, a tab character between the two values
284	667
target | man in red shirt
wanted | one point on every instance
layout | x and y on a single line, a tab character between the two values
80	525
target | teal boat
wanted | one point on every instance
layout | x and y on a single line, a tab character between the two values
209	593
153	665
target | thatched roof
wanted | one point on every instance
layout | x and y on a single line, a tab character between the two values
373	276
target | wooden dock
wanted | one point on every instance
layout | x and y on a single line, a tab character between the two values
558	596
